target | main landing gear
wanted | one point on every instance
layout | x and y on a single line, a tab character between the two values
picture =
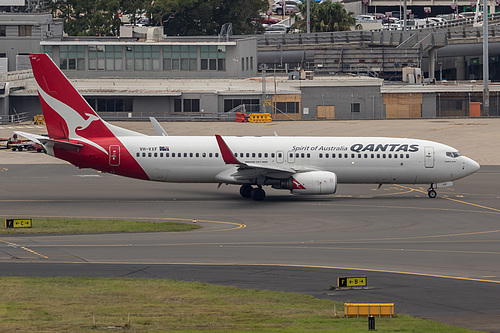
257	193
431	192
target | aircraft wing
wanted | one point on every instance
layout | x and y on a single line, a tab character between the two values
47	142
246	171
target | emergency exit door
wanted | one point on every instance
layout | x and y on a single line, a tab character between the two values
114	155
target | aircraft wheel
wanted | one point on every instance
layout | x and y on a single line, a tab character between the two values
246	191
258	194
432	194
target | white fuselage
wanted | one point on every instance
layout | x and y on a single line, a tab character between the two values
353	159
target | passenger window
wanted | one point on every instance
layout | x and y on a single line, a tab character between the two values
407	155
401	156
326	155
346	156
308	155
340	155
390	156
138	154
156	154
291	155
352	155
378	155
302	155
297	155
260	155
167	154
149	154
190	154
265	155
209	154
320	155
216	154
143	154
333	155
204	154
253	154
185	154
383	155
161	154
197	154
372	155
280	155
248	154
359	155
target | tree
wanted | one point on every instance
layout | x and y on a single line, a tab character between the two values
325	16
206	17
134	8
88	18
178	17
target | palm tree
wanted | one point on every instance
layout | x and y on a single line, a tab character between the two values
325	16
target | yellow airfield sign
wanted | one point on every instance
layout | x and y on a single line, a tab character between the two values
18	223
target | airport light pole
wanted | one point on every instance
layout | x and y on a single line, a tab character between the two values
308	18
405	16
486	90
263	68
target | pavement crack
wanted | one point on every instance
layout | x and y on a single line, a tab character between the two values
143	270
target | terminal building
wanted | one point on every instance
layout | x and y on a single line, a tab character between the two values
143	73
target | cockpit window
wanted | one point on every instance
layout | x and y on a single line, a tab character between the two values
453	154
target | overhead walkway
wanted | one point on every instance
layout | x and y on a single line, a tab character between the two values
381	53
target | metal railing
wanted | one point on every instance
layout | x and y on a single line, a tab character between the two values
13	118
180	116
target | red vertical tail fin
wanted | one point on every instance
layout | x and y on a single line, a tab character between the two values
67	114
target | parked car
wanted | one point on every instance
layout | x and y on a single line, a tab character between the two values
433	21
365	19
269	20
276	29
390	20
291	7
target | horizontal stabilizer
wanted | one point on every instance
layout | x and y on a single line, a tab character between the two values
49	143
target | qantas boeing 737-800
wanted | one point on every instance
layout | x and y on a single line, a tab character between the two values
302	165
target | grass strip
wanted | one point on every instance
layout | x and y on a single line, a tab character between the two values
149	305
63	226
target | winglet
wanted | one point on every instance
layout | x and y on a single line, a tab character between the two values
158	129
227	154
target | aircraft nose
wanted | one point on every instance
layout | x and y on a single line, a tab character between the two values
472	166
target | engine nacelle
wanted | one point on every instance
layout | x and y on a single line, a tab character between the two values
314	182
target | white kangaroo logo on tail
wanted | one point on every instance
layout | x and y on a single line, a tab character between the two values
72	118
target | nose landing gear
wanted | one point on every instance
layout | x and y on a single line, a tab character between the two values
431	192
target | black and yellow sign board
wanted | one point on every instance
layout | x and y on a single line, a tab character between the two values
18	223
346	282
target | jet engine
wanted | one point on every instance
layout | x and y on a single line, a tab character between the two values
311	182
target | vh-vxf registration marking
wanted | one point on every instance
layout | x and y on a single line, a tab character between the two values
302	165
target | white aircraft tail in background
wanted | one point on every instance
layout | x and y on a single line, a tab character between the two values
302	165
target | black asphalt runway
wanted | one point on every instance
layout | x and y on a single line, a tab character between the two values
434	258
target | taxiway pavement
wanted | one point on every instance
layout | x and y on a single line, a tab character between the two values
434	258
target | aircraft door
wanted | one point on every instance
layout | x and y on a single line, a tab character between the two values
290	157
114	155
279	156
429	157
